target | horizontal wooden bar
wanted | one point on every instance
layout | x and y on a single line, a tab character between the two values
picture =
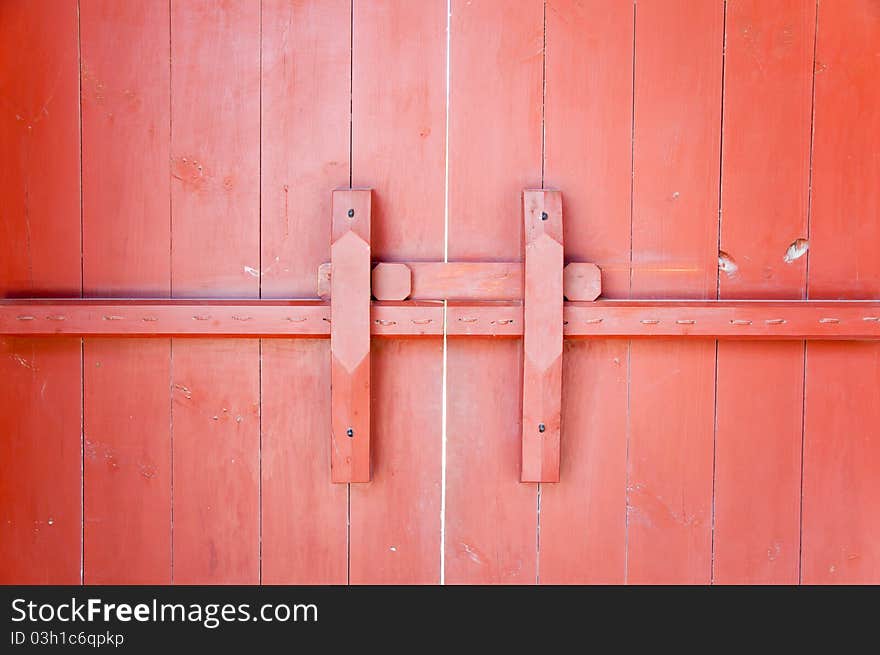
747	319
465	281
226	318
744	319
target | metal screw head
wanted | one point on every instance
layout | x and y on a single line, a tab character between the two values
544	216
349	432
351	213
541	427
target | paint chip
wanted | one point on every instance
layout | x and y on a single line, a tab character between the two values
796	250
727	264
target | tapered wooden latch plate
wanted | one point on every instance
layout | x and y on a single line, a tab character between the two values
350	336
542	336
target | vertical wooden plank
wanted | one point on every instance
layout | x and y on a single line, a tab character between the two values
495	114
676	157
305	516
542	336
766	166
764	204
395	519
40	398
350	336
215	143
126	140
39	179
583	516
398	127
216	417
306	104
588	131
306	96
588	109
841	528
126	252
41	455
127	461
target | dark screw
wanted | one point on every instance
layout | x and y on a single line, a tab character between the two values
349	432
544	216
351	213
541	427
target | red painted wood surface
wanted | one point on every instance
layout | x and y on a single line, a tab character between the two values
841	532
542	336
764	203
494	153
398	127
212	135
676	155
350	337
305	141
588	155
126	245
40	450
215	167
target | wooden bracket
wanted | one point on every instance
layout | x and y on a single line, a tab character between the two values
542	336
350	336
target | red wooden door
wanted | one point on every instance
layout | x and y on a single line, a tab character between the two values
187	151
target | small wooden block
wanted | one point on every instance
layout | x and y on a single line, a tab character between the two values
350	336
582	281
542	336
325	271
392	282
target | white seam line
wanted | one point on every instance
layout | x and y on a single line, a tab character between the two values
445	259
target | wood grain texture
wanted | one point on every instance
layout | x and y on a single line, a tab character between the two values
41	455
398	127
588	131
216	413
495	100
305	141
39	133
764	203
350	336
588	150
215	148
305	106
675	239
395	519
127	461
215	144
125	153
126	252
542	336
491	535
304	534
841	530
583	516
40	450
